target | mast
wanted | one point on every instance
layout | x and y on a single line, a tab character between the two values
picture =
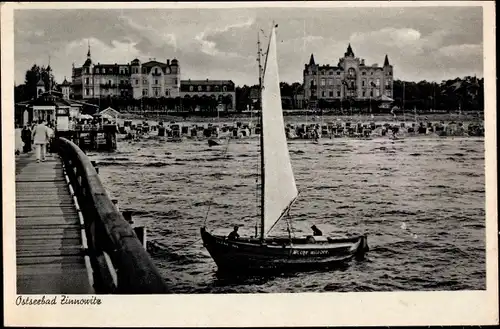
262	176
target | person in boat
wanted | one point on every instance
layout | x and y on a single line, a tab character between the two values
234	234
316	231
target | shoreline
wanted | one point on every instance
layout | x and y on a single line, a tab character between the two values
432	117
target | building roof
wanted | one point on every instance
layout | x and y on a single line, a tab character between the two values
311	60
349	52
154	63
65	82
386	61
206	82
88	62
110	111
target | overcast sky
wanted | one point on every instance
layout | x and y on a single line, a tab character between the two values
432	43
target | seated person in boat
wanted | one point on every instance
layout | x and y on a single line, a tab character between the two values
316	231
234	234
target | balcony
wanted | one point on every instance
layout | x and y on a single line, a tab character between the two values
107	85
124	86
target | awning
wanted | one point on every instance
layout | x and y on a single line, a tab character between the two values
385	98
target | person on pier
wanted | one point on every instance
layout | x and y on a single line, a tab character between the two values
26	137
40	137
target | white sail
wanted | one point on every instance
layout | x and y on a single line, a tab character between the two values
279	183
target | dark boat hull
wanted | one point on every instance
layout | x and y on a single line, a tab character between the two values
249	255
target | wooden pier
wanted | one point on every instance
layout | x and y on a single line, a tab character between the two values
50	256
70	237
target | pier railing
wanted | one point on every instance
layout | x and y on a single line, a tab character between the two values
119	262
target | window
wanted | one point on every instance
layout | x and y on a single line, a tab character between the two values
371	93
109	82
86	70
208	88
144	70
144	81
323	82
338	72
167	93
364	93
388	93
351	72
323	93
330	73
86	81
97	70
224	88
377	82
86	91
156	70
330	82
216	88
121	71
136	81
156	81
144	92
363	82
363	73
175	81
377	92
387	83
157	92
331	93
121	82
371	73
199	88
338	93
191	88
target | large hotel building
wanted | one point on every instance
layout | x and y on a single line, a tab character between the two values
350	79
135	79
150	79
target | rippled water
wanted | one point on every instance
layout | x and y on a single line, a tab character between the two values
420	199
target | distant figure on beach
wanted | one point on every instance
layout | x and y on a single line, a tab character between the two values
316	231
40	137
26	137
234	234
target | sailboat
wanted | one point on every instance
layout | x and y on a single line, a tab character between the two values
262	253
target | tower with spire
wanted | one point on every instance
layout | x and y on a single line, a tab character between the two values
351	79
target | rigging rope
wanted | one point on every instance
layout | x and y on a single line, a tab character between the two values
213	195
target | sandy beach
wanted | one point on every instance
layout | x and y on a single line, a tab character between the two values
431	117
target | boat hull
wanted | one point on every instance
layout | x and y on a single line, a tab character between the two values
249	255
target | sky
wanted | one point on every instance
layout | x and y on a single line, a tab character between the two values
422	43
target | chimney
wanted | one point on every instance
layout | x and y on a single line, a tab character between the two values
168	62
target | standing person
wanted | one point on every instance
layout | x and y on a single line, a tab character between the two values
50	130
26	137
40	139
18	140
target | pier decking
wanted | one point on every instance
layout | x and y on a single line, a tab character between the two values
49	254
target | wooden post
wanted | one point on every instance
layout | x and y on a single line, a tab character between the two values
140	231
127	214
94	164
115	202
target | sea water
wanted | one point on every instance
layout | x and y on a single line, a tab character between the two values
421	200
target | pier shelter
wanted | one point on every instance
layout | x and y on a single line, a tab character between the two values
51	106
